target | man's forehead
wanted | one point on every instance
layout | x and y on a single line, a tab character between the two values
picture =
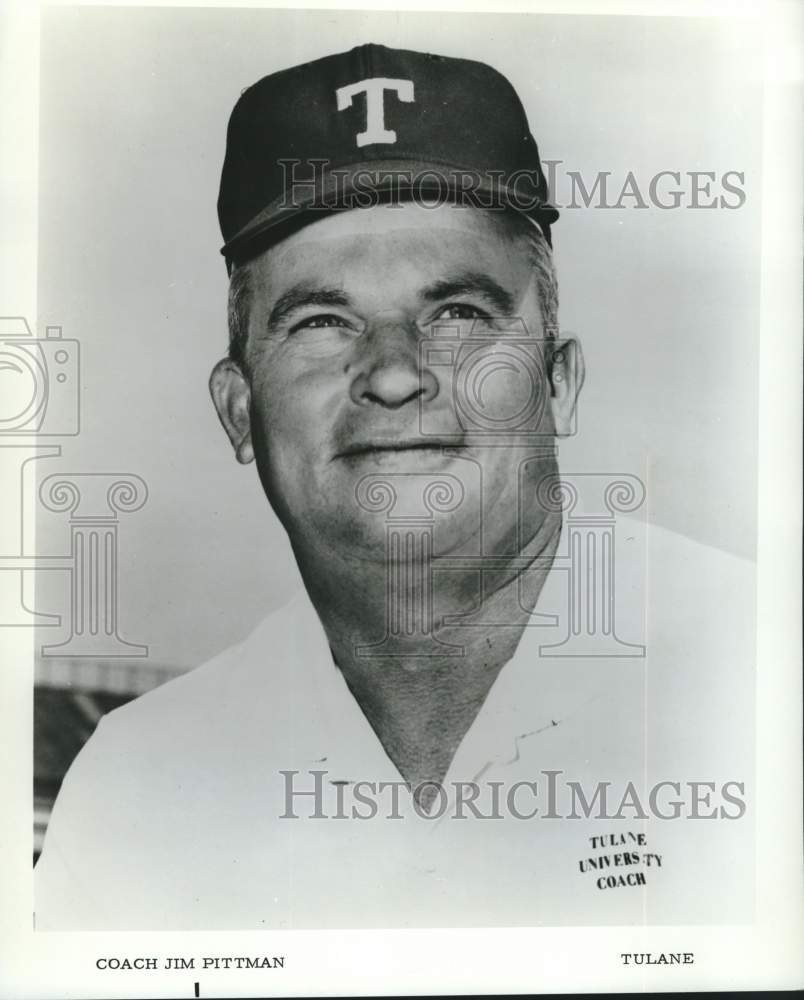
418	215
358	260
407	237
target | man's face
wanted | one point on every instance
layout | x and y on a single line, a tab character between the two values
338	387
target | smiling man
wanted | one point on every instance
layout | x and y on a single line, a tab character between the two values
418	738
329	388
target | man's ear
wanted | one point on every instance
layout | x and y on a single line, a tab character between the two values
566	378
231	395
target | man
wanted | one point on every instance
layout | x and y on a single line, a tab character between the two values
395	746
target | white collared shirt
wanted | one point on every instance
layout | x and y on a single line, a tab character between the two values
175	814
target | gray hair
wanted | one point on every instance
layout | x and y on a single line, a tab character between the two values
240	296
541	257
241	290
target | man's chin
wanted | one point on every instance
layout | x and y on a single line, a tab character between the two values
388	538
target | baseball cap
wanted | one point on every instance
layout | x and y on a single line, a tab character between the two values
350	129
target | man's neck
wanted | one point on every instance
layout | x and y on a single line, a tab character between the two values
419	700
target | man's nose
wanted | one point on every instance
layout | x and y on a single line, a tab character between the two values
387	371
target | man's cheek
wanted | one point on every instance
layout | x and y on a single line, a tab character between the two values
274	410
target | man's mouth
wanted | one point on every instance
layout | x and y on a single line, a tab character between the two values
379	448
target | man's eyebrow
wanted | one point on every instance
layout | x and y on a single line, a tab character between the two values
468	283
305	294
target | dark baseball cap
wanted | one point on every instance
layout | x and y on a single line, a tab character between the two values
350	129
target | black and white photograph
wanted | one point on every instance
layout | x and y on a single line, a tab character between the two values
399	538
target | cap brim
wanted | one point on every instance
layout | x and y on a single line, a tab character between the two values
363	184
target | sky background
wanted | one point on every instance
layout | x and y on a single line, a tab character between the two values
134	107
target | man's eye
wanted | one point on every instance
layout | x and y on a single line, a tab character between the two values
460	310
319	323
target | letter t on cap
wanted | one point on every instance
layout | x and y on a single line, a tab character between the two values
374	90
